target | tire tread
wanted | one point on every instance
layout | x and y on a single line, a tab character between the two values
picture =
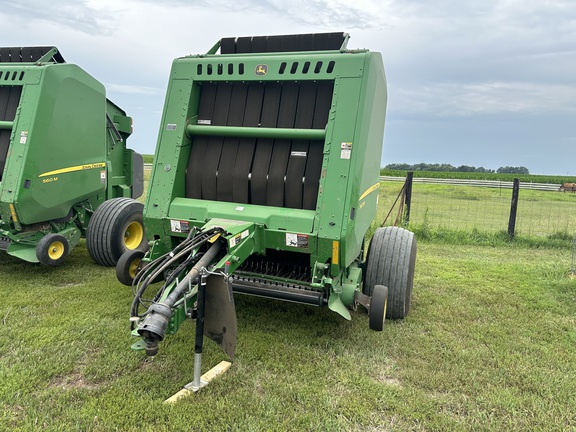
101	235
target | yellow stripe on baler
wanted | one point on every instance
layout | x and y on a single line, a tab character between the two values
369	191
96	165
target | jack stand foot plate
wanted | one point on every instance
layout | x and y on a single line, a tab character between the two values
205	379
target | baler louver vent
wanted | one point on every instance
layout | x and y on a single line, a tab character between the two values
14	76
231	68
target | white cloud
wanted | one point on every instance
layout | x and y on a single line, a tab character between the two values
321	14
77	15
485	98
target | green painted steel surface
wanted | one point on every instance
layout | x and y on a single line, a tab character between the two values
256	132
55	116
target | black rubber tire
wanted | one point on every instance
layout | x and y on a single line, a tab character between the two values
378	307
127	266
390	262
109	226
52	249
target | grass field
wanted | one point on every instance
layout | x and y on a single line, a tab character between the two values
488	345
469	208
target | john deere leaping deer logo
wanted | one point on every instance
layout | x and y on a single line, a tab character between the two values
261	69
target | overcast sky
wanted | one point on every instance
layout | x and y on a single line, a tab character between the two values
487	83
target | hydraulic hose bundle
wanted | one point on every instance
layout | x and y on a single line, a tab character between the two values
154	321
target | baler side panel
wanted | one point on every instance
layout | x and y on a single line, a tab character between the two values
171	158
27	79
334	183
365	158
65	147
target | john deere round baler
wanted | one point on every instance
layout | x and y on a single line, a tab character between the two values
265	182
65	171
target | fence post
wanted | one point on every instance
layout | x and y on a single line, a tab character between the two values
513	208
408	195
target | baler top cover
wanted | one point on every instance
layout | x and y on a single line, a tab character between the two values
286	43
30	54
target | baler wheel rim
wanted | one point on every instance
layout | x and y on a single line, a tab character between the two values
52	249
133	235
132	269
128	266
56	250
116	227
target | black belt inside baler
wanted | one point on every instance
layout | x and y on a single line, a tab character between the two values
255	168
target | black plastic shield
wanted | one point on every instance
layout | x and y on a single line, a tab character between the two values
220	314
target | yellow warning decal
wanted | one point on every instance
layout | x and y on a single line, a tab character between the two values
214	238
369	191
335	252
97	165
13	211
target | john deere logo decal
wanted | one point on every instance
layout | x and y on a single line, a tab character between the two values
261	69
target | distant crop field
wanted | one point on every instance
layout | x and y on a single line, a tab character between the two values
528	178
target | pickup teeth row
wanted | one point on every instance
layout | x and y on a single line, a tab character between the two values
239	278
276	269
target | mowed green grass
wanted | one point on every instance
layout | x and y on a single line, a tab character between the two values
470	355
488	345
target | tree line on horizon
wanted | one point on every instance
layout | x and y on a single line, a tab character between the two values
450	168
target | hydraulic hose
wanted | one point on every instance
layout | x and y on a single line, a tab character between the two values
153	328
181	256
